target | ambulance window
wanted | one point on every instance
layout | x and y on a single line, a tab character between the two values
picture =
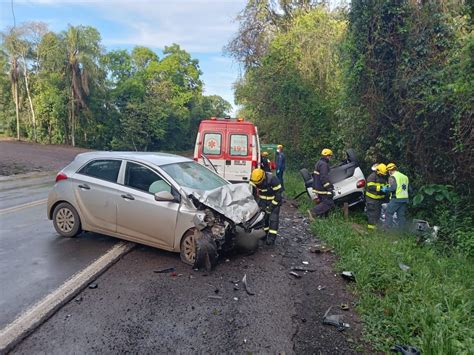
212	144
238	144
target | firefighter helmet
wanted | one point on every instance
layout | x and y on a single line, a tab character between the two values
326	152
257	176
391	166
381	169
265	154
279	146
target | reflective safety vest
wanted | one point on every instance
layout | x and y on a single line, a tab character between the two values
402	185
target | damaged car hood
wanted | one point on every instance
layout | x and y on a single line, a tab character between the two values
234	201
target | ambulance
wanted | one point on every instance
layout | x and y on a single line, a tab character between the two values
228	146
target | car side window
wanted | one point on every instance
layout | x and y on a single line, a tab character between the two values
144	179
102	169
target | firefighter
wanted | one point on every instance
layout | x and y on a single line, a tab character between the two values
399	189
322	187
280	164
267	190
376	183
265	162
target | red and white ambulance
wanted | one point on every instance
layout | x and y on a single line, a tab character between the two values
230	146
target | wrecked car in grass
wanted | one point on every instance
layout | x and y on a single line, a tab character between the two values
157	199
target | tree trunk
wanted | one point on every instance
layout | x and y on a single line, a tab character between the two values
73	120
33	116
17	110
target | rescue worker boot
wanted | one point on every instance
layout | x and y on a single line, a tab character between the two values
270	239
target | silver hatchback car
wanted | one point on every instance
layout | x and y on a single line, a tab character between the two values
161	200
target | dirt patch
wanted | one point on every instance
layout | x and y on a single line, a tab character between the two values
17	157
135	309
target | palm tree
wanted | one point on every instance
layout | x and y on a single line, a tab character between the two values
83	50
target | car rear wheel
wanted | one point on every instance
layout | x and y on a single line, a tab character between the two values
66	220
188	248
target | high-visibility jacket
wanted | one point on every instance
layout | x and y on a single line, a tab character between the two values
399	186
321	184
269	189
374	183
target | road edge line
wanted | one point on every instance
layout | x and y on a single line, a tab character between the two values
33	317
23	206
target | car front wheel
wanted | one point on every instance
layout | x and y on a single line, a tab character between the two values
188	248
66	220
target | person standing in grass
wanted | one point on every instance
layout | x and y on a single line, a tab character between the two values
374	196
280	165
399	190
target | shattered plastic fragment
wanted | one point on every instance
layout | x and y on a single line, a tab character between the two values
292	273
348	275
321	287
404	267
335	320
405	349
93	285
244	281
305	262
344	306
301	268
215	297
164	270
236	298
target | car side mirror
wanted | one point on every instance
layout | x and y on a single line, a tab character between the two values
164	196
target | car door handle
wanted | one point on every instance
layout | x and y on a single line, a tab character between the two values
128	197
84	187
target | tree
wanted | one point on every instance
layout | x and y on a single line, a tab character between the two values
83	51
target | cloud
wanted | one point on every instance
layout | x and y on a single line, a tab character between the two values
197	25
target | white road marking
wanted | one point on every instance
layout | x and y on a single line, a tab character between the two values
22	207
23	325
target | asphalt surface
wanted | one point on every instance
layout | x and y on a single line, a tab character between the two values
34	259
135	309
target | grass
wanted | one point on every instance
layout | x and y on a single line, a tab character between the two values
430	306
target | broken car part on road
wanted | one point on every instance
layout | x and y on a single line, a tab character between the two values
335	320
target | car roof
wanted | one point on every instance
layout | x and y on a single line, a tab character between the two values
144	157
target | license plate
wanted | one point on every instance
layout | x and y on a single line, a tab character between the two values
239	162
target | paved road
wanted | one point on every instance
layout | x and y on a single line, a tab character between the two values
136	310
34	259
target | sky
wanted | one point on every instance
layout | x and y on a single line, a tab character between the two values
201	27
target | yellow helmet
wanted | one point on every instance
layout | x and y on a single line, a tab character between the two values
391	166
326	152
279	146
265	154
381	169
257	176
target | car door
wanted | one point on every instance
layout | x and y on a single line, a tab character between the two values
95	188
139	215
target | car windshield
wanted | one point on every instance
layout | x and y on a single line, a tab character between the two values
194	176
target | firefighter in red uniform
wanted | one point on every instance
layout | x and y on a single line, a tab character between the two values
267	191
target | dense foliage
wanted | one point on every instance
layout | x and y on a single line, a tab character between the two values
392	79
65	88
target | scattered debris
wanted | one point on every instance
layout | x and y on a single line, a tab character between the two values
302	268
296	275
319	248
303	320
348	275
244	281
216	289
173	274
236	298
344	306
236	287
164	270
227	260
93	285
305	262
321	287
335	320
215	297
404	267
405	349
78	299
